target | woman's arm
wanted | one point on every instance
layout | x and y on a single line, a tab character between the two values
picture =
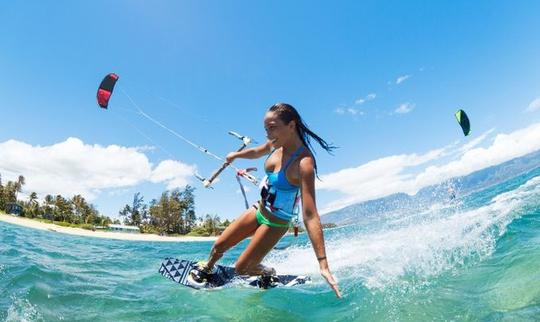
253	153
313	221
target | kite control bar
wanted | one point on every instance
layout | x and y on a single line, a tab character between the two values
245	142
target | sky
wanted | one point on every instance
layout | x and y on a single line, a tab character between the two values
379	79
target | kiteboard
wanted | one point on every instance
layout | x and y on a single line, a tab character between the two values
178	270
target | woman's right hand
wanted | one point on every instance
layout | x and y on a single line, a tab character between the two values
230	157
331	281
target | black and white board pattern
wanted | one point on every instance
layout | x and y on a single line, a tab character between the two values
178	270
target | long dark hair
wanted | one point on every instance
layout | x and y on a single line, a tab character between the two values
287	113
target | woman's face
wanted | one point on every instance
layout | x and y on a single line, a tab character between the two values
277	131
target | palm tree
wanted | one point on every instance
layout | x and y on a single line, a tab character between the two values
48	207
61	206
211	223
2	200
33	205
33	197
18	186
10	194
80	207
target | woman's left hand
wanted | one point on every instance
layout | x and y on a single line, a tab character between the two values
331	281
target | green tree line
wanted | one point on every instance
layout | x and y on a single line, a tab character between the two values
172	214
75	210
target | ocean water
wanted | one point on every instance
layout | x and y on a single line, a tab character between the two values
473	259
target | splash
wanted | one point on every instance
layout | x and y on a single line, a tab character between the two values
21	310
415	248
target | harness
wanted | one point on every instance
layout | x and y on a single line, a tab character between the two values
278	194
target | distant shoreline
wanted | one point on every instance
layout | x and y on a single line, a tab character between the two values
29	223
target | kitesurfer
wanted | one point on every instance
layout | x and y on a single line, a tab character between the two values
290	177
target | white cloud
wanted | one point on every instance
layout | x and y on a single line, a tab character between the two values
73	167
174	173
534	105
393	174
401	79
368	97
348	111
468	146
404	108
354	111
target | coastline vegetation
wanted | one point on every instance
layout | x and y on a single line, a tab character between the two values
173	214
73	212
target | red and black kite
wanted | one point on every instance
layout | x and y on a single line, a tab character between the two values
105	89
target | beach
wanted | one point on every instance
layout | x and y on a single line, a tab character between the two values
21	221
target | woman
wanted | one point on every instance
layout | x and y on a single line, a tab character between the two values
291	170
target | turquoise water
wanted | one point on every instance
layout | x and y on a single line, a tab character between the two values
474	259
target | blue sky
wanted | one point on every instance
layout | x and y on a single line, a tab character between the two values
381	80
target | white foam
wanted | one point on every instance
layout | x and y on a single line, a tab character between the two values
413	248
21	310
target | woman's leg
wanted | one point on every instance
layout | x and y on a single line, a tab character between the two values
264	239
239	230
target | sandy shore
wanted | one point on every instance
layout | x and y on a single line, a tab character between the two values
99	234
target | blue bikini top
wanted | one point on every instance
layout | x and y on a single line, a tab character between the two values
278	194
